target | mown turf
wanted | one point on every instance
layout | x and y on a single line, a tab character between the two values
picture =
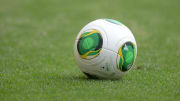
36	50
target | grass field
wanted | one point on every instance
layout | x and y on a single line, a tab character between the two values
36	50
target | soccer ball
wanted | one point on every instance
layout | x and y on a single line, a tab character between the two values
105	48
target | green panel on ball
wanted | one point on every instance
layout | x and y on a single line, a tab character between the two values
89	44
114	21
127	56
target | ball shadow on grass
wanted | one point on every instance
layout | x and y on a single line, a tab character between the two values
92	78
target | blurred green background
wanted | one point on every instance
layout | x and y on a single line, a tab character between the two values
36	50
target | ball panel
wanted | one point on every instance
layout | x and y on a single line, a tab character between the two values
127	56
105	68
114	21
90	44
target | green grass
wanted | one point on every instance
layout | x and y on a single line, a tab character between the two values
36	50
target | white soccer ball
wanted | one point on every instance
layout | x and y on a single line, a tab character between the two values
105	48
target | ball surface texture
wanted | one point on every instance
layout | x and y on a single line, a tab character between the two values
105	48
